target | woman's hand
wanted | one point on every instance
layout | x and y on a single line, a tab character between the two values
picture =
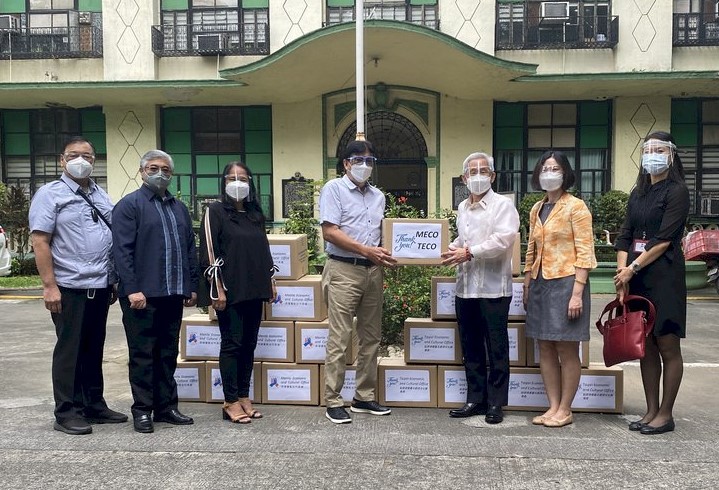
221	303
574	309
274	291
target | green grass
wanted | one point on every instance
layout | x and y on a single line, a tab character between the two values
16	282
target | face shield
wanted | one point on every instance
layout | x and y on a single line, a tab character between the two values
657	156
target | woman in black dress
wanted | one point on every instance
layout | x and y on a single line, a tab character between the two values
239	281
650	263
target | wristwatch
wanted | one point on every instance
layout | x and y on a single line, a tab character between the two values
635	266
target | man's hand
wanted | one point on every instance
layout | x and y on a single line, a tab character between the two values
191	301
52	298
380	256
455	256
137	301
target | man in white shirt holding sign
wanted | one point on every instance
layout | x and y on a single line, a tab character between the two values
487	225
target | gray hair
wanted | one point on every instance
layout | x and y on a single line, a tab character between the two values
477	156
156	155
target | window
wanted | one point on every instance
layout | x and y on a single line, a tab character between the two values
421	12
581	130
202	140
34	140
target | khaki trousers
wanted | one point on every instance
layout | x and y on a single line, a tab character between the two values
352	290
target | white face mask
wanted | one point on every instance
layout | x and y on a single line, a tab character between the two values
551	181
238	190
655	163
361	172
479	184
79	168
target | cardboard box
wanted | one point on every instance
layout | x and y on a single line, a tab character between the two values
415	241
289	253
431	342
300	300
199	338
213	383
311	343
601	389
517	256
516	307
517	344
348	389
275	342
451	386
442	298
290	384
533	353
402	385
190	379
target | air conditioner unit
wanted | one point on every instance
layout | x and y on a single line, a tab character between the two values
208	44
84	18
9	22
555	10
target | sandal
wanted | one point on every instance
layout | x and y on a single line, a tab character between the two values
253	414
234	413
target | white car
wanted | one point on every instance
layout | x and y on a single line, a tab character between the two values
4	254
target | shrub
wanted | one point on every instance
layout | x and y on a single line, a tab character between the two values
14	207
302	219
525	206
609	210
24	266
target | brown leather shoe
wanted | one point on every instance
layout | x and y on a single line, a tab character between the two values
234	413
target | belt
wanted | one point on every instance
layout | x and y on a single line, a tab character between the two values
352	260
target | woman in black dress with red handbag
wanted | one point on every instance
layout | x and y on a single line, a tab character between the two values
650	263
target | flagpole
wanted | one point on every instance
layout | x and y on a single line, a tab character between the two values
359	67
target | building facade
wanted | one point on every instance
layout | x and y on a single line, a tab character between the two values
271	82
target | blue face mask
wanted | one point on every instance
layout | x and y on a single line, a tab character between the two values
655	163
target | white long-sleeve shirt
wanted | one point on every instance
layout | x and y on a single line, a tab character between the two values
489	228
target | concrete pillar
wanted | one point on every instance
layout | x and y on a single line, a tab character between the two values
127	39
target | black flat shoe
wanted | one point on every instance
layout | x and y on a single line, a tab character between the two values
636	426
494	415
74	427
105	416
174	417
649	430
468	410
143	423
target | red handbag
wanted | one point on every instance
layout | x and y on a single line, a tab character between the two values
626	330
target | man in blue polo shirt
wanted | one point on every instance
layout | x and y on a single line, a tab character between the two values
72	244
156	261
351	212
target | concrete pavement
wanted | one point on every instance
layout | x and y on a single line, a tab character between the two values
296	447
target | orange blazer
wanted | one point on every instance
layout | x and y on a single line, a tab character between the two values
563	242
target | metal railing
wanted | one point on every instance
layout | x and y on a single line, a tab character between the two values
695	30
596	32
83	41
216	39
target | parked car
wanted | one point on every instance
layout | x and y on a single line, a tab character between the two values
4	254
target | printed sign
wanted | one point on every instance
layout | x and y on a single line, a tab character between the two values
271	343
513	334
596	392
416	240
188	382
289	384
527	390
455	386
294	302
282	259
516	307
314	344
405	385
216	385
432	344
202	341
445	298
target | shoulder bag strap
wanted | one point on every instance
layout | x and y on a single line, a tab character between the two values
92	205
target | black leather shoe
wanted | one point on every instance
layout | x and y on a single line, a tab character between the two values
143	423
636	426
74	427
649	430
494	415
105	416
174	417
468	410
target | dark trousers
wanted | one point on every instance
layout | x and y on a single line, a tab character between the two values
77	382
152	341
483	331
239	325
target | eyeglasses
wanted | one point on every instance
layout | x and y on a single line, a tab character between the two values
356	160
72	156
235	178
482	171
552	169
153	169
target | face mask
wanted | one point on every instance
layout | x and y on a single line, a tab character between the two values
655	163
361	172
551	181
479	184
79	168
157	182
238	190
